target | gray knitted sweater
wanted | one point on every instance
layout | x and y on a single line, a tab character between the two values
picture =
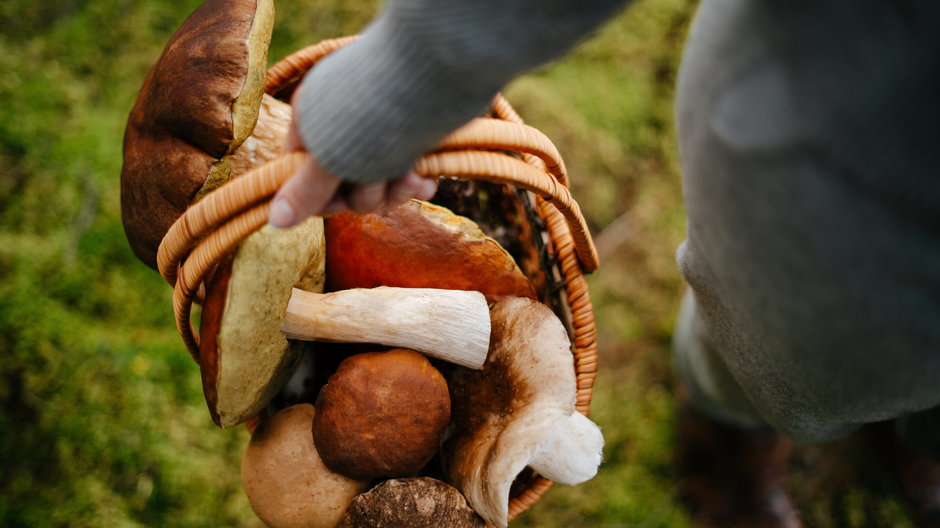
422	69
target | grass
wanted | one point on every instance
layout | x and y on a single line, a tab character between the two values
103	421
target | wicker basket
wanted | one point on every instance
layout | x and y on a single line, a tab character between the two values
499	151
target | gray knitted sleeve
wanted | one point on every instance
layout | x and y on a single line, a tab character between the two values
422	69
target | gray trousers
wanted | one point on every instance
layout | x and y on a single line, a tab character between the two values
809	136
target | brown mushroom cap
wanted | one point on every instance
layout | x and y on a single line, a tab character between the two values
412	503
197	105
244	357
381	414
419	245
286	482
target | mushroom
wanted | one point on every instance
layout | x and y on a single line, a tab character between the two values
419	245
243	357
518	411
381	414
413	503
252	309
198	104
285	480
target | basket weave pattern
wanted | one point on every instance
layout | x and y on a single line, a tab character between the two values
217	224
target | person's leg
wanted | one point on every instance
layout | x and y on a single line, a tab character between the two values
913	449
921	432
807	133
812	223
732	466
907	445
702	372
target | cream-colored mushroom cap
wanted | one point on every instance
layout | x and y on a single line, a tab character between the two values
382	414
286	482
518	411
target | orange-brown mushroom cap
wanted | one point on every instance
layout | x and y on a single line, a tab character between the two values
382	414
197	104
419	245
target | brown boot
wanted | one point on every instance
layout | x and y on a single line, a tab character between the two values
731	477
917	475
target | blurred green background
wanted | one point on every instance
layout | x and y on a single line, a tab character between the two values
103	420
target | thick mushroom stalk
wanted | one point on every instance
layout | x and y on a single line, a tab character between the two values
571	454
518	411
452	325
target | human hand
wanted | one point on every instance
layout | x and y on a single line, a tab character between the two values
313	190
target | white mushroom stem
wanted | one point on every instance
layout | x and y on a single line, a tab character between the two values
451	325
572	452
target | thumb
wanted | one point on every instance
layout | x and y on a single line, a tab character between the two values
305	194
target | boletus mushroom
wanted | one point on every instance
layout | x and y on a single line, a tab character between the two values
518	411
286	482
243	357
203	98
381	414
419	245
411	503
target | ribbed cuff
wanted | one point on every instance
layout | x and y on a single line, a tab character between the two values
370	110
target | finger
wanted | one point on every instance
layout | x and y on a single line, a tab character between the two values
367	197
427	190
293	141
336	205
403	189
307	193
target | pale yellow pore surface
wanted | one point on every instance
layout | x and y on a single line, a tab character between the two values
254	357
246	105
